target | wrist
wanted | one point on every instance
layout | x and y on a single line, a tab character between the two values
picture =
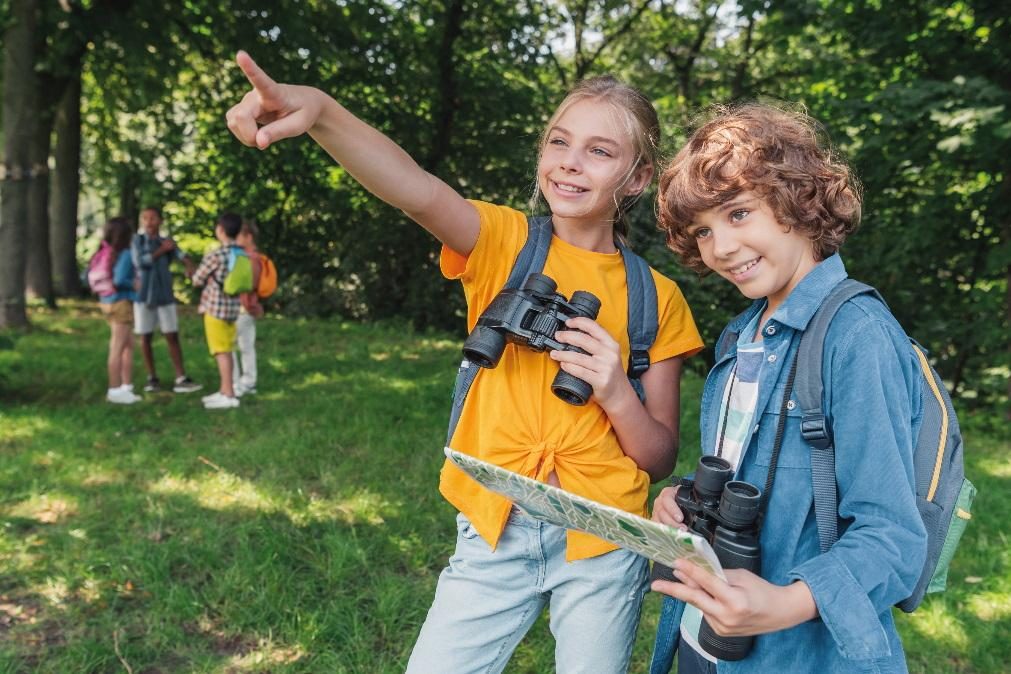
621	402
326	110
799	604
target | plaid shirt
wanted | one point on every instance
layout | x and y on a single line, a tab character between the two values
213	299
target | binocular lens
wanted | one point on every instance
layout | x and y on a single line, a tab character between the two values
739	504
712	473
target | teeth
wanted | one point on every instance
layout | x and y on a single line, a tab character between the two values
744	267
569	188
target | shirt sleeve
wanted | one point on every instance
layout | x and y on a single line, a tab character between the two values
139	249
484	272
123	272
872	412
677	334
207	267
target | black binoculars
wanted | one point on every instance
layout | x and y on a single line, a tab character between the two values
725	512
531	316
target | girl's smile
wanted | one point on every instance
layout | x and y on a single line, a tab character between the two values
585	169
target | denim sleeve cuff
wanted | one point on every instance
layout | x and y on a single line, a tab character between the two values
844	607
146	259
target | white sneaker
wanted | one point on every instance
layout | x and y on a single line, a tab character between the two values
122	396
219	401
243	389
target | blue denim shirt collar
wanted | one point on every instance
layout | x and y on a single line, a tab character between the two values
801	305
810	293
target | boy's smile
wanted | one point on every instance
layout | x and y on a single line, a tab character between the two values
744	243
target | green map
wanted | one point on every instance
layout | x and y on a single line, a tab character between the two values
656	541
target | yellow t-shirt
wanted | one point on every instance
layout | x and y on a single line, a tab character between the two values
512	419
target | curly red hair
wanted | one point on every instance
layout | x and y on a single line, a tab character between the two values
777	154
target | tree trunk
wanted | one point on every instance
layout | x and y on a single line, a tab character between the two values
448	102
66	187
19	115
129	185
38	268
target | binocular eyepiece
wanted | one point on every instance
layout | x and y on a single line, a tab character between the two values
530	316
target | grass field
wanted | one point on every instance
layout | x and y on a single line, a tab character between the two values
304	531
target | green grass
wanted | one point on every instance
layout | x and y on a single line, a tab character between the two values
304	531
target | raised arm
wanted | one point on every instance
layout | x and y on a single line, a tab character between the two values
272	111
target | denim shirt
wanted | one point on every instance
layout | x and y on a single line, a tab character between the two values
872	397
123	274
155	275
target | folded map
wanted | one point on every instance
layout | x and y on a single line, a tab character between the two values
654	540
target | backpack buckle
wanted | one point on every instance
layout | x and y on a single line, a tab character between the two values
638	363
814	428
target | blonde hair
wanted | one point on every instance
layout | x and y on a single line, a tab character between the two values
640	123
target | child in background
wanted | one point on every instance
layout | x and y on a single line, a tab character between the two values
244	356
156	303
596	157
220	310
118	311
756	197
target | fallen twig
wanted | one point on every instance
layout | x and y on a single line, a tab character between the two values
210	463
115	647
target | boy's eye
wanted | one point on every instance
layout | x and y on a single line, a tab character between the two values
700	233
739	214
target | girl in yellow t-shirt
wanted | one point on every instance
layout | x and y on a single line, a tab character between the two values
597	155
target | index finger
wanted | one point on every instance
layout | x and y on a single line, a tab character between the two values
260	80
589	326
713	585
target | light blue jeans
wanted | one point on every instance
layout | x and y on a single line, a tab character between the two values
486	601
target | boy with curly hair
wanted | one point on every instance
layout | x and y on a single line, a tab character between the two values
757	197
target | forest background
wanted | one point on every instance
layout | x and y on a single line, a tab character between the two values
304	532
109	105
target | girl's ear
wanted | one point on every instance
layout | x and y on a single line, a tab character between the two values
639	180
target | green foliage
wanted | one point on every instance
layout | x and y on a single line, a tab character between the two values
914	93
280	537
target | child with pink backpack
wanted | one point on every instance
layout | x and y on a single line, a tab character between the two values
111	276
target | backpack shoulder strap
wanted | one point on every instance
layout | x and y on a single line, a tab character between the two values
530	259
534	252
642	317
814	425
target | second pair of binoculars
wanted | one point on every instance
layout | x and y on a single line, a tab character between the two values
725	512
530	317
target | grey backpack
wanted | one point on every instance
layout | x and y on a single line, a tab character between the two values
943	495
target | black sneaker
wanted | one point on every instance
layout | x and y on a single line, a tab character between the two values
186	385
152	385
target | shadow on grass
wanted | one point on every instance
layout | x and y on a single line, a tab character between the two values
302	532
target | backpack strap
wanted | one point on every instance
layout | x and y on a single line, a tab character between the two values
815	425
530	259
642	317
534	252
642	310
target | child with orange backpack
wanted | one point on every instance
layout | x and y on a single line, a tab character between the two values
264	284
